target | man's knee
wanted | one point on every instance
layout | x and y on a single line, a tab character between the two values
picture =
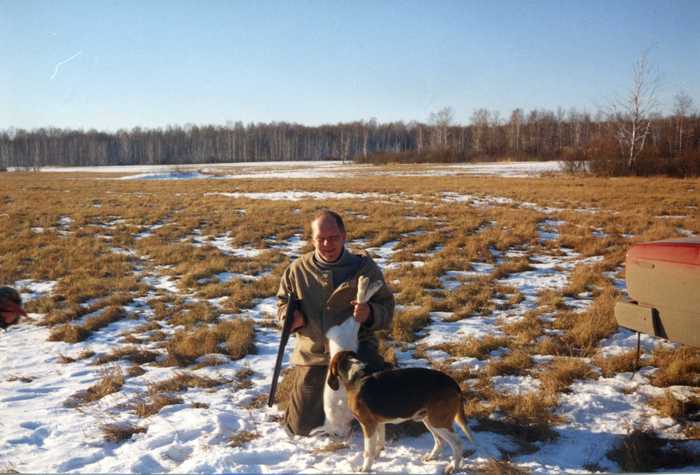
305	410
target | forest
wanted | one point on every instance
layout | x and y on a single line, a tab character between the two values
603	143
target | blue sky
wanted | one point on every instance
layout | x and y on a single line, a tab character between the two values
112	64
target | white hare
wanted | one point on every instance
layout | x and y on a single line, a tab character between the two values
341	338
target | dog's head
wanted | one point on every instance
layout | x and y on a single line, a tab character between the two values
345	367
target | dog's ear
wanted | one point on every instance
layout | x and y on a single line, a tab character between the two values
333	382
333	375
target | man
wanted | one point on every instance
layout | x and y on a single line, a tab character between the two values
10	307
326	282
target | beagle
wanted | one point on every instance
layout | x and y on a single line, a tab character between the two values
398	395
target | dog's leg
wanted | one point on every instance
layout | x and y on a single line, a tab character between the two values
433	454
379	435
456	445
369	433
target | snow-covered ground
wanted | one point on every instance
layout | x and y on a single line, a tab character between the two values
41	433
310	169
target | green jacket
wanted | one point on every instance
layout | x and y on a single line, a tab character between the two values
323	307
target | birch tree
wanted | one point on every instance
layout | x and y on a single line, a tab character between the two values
683	103
632	114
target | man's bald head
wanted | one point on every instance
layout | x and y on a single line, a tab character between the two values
328	234
326	214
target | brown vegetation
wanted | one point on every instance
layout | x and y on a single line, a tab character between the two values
241	438
111	381
643	451
95	284
679	366
235	338
120	431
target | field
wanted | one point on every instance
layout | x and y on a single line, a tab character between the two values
152	340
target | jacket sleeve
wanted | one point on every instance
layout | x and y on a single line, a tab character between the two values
382	303
282	293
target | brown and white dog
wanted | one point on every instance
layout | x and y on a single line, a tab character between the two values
398	395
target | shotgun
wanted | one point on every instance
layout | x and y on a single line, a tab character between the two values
293	304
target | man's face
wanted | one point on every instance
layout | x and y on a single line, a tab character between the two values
327	238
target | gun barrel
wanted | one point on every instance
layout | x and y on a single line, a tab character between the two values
293	304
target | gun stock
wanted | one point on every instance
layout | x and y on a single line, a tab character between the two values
292	304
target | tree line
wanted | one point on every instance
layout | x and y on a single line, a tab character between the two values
535	135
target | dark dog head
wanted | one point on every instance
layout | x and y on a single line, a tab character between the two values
345	367
10	307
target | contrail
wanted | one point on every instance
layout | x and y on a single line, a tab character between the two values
61	63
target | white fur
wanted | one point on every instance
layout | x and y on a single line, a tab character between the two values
335	403
343	337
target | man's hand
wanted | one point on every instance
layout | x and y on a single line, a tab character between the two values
361	311
298	321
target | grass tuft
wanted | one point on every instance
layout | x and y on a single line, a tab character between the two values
644	451
120	432
242	437
679	366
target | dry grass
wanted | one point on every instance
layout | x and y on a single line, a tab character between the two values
513	266
526	330
497	467
669	406
558	375
130	353
156	401
258	402
585	330
515	363
470	298
549	300
407	322
194	315
241	438
71	333
612	365
532	408
183	381
235	338
679	366
92	279
583	278
120	431
525	436
111	381
135	372
475	348
643	451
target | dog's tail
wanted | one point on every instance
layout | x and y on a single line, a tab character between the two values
461	420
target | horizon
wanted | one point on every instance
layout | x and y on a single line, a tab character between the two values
78	65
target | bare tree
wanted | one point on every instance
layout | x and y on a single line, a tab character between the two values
480	126
683	103
632	114
516	123
441	120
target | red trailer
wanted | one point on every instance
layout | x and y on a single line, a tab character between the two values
663	282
